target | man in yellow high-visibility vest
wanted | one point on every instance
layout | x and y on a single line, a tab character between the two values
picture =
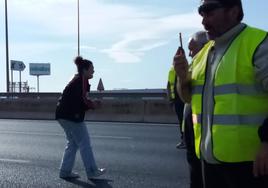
196	43
176	103
228	92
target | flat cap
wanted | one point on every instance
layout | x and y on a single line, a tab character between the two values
208	5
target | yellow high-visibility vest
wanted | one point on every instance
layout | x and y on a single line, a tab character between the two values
240	104
171	79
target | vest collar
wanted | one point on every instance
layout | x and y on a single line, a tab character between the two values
229	35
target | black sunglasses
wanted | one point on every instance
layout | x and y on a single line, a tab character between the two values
209	7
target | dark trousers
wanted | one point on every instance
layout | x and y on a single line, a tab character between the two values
232	175
195	171
193	161
179	106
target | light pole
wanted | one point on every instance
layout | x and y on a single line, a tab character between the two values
78	28
7	54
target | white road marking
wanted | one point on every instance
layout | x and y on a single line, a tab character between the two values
134	124
14	160
30	133
52	123
58	134
113	137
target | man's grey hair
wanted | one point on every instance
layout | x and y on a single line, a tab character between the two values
201	37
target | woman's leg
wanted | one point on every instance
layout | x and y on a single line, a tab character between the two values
68	158
82	139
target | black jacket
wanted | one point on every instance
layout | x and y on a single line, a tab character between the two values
73	103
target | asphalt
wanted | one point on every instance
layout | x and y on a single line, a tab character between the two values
135	155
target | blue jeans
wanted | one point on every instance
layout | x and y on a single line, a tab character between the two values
77	138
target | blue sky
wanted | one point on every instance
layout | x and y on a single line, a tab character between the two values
131	42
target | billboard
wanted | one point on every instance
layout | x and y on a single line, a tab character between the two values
39	69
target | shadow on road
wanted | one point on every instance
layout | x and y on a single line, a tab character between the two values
94	183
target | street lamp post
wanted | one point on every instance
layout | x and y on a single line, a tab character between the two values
78	28
7	54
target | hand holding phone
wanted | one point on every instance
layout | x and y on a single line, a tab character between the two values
180	62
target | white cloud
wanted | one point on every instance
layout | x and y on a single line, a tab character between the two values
122	52
136	42
91	48
124	56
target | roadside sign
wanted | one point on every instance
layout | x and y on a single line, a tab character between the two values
100	85
17	65
37	69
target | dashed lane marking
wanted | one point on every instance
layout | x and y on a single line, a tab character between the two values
14	161
57	134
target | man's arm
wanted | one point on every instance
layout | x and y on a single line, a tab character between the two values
261	64
183	76
261	69
184	89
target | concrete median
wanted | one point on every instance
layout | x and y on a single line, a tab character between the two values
121	110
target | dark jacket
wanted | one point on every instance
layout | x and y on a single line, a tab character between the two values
73	102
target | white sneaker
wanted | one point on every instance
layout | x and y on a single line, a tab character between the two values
97	173
72	175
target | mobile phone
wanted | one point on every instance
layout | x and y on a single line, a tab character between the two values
181	41
181	50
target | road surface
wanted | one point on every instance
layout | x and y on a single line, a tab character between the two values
135	155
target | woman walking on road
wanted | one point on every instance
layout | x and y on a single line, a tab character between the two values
70	113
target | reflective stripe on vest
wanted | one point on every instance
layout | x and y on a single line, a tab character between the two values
232	88
240	104
241	120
